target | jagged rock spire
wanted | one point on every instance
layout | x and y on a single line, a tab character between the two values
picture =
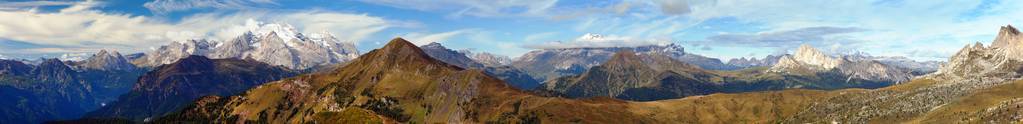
1008	36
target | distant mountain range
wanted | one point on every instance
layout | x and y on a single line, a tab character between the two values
767	61
275	44
511	75
635	76
653	76
547	64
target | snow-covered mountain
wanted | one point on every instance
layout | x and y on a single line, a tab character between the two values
809	60
107	61
552	63
273	43
1001	60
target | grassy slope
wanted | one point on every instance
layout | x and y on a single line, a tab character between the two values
974	108
756	107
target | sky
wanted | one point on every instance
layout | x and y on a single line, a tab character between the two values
918	29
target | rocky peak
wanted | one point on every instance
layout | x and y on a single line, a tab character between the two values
978	45
811	56
54	70
399	46
283	31
1008	36
104	60
398	52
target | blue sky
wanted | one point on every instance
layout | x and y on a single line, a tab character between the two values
919	29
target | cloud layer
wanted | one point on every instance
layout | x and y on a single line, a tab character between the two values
80	28
790	38
167	6
598	41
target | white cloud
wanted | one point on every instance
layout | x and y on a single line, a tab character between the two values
77	28
81	6
493	8
31	4
426	38
166	6
596	40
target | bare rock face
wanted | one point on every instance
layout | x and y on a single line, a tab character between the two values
1000	60
807	56
274	44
